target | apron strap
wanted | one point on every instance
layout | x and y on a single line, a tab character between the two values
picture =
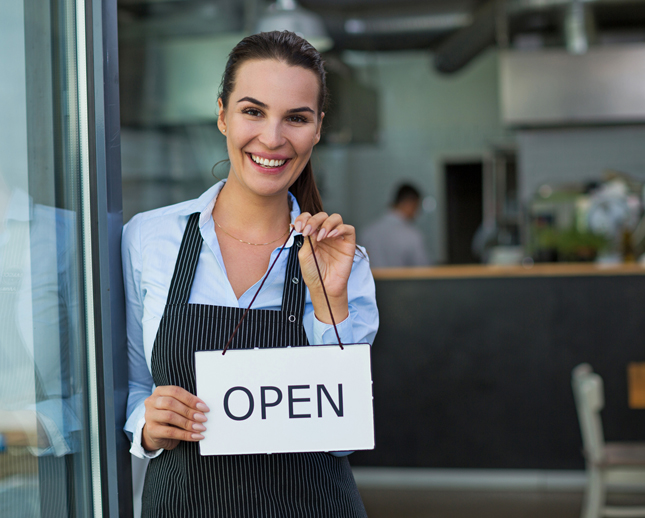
186	265
293	295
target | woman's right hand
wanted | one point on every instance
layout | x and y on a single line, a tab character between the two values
172	415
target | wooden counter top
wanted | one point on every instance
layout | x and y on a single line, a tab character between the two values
487	271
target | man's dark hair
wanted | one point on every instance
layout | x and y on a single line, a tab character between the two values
406	192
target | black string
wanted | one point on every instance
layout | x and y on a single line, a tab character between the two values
256	293
262	284
325	292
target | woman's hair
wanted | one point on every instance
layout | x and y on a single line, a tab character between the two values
286	47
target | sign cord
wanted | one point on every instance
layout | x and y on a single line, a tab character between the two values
333	321
262	284
256	293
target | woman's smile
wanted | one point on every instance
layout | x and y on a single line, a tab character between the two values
270	165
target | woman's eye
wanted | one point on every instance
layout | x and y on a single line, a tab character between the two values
253	112
297	118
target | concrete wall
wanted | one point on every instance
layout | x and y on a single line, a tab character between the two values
425	118
557	156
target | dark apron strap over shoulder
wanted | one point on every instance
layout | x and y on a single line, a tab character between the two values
186	265
293	300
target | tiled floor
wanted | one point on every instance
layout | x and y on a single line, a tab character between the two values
418	503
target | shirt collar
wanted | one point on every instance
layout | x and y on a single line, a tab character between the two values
205	203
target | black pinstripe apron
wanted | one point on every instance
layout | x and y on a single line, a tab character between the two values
180	483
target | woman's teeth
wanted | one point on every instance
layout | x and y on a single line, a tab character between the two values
265	162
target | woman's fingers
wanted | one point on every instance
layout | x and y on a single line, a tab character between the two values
328	226
309	224
300	222
161	434
181	395
322	225
172	426
345	231
177	407
166	437
174	414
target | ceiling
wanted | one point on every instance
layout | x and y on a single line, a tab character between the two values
458	28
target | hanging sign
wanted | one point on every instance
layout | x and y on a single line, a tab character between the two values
286	399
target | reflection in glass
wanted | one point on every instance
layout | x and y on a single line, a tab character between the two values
44	458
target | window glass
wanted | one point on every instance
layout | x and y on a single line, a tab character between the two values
44	439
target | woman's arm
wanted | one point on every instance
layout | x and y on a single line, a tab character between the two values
347	278
140	382
160	418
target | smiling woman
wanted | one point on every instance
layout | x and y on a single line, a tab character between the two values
270	110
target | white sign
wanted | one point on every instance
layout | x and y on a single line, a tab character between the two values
286	399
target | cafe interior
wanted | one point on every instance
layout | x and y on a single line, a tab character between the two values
509	373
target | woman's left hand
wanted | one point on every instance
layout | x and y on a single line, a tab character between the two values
334	244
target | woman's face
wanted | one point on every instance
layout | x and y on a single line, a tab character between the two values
271	124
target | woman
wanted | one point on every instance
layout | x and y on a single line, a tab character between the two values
183	296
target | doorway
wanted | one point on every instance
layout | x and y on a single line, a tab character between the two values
464	208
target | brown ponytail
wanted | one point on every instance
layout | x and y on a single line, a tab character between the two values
306	191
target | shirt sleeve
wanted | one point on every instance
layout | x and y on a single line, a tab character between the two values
418	252
362	323
140	382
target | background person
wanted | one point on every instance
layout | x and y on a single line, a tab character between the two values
191	269
393	240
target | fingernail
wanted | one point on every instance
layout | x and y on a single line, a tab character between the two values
333	233
197	436
298	226
322	234
199	417
199	427
202	407
307	230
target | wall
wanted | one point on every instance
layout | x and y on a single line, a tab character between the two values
425	118
557	156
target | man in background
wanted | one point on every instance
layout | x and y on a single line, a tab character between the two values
393	240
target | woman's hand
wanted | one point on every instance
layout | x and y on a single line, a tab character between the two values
334	244
172	415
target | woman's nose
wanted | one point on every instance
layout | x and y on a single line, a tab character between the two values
271	135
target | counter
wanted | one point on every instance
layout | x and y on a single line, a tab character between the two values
536	270
472	364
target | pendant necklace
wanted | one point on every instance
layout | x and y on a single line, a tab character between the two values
246	242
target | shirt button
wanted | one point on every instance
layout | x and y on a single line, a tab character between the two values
295	280
292	318
299	243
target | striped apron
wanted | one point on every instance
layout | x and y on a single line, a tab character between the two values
182	483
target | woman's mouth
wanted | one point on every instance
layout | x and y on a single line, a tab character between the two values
266	162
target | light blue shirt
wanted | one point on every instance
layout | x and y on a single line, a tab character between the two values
150	246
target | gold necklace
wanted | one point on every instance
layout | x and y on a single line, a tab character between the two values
246	242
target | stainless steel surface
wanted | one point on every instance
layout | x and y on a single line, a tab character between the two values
464	45
403	24
553	87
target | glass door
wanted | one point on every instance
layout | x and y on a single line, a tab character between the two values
52	450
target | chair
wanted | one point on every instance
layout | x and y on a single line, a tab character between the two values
601	458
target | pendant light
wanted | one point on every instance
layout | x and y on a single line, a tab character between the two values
288	15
